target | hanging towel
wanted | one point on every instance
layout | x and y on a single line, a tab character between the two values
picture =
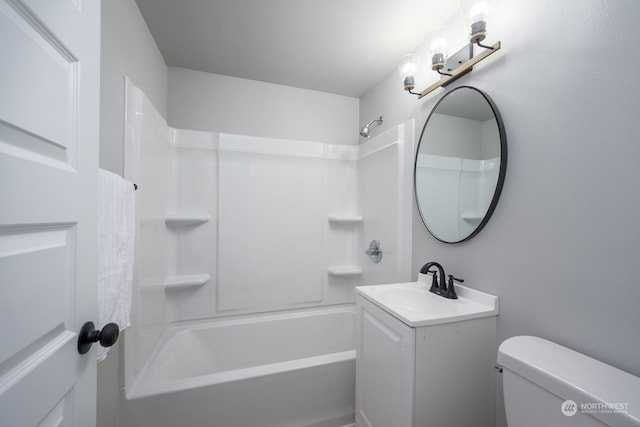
116	217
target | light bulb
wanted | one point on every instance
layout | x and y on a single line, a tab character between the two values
475	13
407	68
438	46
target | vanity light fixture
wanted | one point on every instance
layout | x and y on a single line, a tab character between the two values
475	14
438	49
452	68
407	68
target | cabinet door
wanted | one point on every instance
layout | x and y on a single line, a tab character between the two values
384	369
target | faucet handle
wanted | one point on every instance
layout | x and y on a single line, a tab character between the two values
435	286
450	292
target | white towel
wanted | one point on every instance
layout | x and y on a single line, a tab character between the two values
116	236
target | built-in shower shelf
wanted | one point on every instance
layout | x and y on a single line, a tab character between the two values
345	219
344	270
180	283
186	219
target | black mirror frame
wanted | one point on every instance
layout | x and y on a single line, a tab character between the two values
501	172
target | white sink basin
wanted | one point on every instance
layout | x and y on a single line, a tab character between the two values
413	298
414	305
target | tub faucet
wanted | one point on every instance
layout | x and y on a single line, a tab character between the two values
436	287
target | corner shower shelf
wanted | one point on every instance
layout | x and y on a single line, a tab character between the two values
180	283
345	219
344	271
186	219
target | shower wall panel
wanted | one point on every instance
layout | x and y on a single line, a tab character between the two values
148	163
270	220
385	169
193	240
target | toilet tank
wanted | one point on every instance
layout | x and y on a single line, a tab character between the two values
546	384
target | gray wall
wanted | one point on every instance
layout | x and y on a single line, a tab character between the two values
127	49
562	250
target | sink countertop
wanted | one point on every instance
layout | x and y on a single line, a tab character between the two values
413	304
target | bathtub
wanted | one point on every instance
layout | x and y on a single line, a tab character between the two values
287	369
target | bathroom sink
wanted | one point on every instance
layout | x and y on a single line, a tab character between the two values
413	298
413	304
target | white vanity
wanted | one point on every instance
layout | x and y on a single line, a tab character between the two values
424	360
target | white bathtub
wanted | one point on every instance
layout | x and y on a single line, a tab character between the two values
287	369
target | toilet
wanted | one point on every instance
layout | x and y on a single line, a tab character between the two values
546	384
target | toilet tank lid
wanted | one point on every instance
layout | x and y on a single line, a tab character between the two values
575	376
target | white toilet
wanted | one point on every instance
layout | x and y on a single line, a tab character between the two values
547	385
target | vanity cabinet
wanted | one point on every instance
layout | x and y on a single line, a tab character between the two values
438	375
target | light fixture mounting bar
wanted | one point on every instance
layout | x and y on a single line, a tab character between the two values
462	69
457	59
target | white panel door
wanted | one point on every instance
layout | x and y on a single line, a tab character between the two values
49	123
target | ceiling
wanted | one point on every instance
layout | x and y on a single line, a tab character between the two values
343	47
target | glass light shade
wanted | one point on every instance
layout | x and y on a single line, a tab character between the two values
475	14
407	68
438	46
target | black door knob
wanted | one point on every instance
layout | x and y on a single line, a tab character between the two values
88	335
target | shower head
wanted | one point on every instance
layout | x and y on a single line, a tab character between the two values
364	131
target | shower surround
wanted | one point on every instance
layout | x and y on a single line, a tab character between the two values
233	228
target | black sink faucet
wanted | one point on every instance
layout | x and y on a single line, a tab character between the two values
436	287
442	287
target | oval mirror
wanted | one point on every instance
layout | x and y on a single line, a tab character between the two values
460	165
